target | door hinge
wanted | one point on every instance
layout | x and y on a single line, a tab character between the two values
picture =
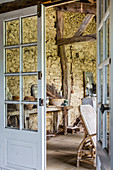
109	60
39	75
41	102
39	10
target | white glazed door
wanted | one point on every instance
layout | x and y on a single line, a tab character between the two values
105	85
22	90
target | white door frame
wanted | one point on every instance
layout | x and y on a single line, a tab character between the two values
36	140
104	155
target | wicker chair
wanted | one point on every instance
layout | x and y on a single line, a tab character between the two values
87	148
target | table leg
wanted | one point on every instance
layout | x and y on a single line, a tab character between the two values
64	121
27	123
55	122
16	121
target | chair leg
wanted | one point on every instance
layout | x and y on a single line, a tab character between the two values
78	163
78	159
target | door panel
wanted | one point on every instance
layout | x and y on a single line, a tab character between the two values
103	86
22	143
17	152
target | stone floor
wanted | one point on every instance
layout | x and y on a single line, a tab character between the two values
61	153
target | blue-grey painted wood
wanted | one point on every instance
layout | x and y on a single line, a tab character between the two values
16	145
111	85
104	158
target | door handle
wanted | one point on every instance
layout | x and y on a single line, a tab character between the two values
104	107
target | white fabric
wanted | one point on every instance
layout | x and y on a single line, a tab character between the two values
89	117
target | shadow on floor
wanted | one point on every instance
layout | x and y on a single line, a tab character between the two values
62	153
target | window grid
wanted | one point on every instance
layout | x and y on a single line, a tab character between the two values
102	64
21	73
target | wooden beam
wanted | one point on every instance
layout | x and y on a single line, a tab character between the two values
62	54
86	21
71	7
19	4
65	41
77	7
92	1
5	1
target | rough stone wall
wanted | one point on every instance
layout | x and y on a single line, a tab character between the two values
86	51
53	66
85	62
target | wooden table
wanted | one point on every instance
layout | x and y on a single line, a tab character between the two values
51	108
56	110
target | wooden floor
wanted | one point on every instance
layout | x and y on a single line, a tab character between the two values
61	153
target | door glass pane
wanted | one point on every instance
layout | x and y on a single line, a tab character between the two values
101	85
101	9
108	38
30	59
12	32
101	103
107	102
13	115
27	80
30	117
12	88
30	88
12	60
101	45
29	29
108	3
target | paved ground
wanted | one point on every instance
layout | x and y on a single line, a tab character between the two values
61	153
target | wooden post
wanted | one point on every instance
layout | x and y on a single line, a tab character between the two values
63	58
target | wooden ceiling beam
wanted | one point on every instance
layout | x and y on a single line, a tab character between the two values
86	21
77	7
92	1
66	41
69	6
19	4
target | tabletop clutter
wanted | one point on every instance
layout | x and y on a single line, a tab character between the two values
55	105
53	97
49	101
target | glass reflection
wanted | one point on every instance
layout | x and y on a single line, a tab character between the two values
12	32
29	29
13	115
30	59
12	60
30	117
12	88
